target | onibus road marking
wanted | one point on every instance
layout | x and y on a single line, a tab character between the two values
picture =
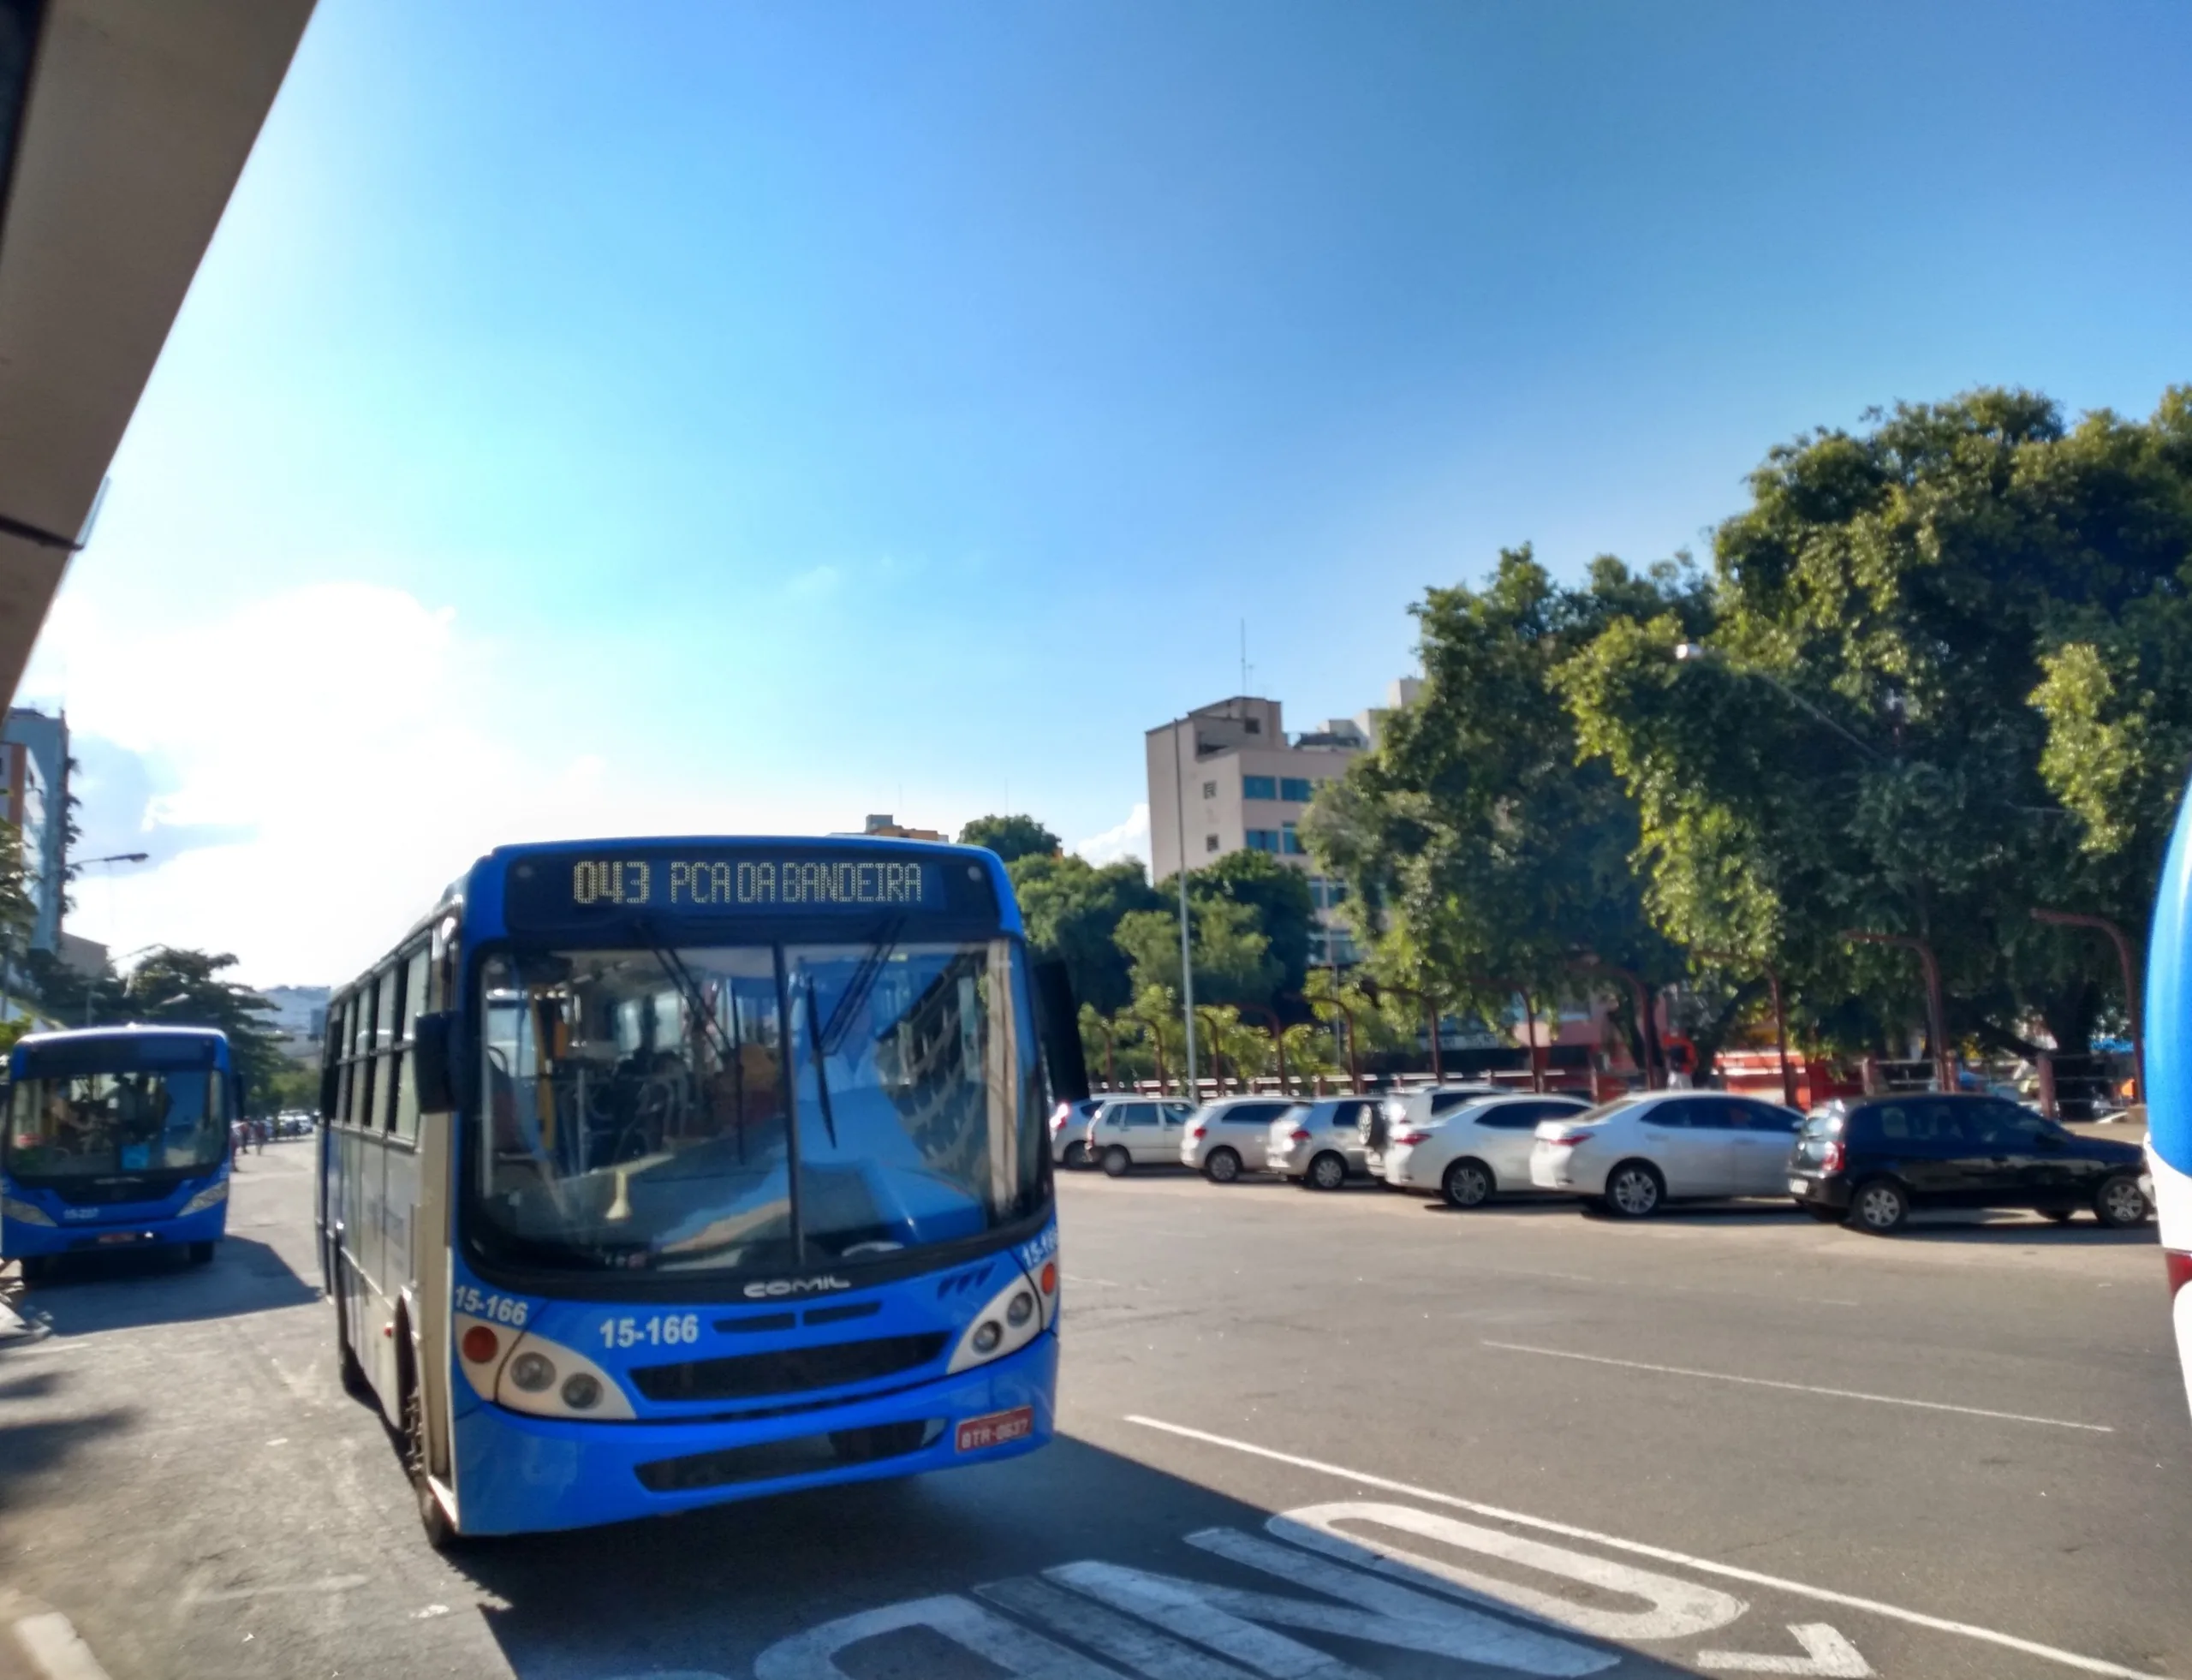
1799	1388
1662	1554
1825	1651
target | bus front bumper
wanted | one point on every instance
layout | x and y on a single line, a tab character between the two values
25	1240
520	1474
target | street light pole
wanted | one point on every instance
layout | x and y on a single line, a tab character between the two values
1187	966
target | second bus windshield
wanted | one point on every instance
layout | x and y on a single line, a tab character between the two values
644	1109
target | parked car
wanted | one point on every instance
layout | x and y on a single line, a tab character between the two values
1227	1138
1069	1131
1320	1143
1407	1109
1871	1161
1634	1155
1477	1150
1127	1132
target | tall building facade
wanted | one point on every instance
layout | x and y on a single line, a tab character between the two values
1227	778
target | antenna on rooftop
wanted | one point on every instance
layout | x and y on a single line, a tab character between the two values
1244	657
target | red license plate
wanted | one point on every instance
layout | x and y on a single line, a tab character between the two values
997	1428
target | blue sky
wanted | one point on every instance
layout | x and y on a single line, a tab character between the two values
750	416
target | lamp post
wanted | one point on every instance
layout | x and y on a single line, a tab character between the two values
1780	1019
1936	1019
1693	652
1187	966
2117	937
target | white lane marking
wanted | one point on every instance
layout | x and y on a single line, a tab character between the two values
1191	1611
1802	1388
1664	1554
1825	1651
1678	1609
1141	1649
813	1655
1438	1626
52	1643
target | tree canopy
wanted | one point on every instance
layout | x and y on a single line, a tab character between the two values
172	987
1073	908
1010	837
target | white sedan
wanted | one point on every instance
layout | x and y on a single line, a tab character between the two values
1634	1155
1473	1152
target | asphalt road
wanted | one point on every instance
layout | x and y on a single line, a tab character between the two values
1729	1441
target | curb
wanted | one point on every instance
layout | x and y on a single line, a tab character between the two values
54	1648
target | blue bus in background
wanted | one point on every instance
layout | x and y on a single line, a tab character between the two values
2168	1084
659	1173
116	1137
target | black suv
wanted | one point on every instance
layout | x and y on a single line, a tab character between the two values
1870	1162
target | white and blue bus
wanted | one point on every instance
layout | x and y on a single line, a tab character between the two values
2167	1085
659	1173
118	1137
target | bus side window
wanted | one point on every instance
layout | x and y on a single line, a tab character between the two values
339	1047
411	987
361	1095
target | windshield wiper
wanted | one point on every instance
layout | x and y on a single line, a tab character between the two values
824	1041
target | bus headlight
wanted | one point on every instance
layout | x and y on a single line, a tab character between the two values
24	1213
1008	1321
547	1380
212	1196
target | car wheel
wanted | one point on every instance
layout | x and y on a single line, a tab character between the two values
1328	1172
1467	1184
1076	1155
1635	1190
1117	1160
2120	1203
1824	1214
201	1254
1223	1167
1879	1206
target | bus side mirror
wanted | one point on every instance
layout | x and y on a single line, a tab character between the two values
431	1038
1057	1025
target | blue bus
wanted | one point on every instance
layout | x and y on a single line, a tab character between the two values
116	1137
2168	1075
657	1173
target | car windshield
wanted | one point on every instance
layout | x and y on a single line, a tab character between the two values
752	1108
96	1124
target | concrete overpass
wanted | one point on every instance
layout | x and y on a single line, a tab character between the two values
123	127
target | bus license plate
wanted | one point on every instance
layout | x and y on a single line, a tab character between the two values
117	1237
996	1429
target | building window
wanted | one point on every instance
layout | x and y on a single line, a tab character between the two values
1263	839
1298	789
1258	787
1317	952
1290	842
1210	791
1326	894
1210	843
1256	725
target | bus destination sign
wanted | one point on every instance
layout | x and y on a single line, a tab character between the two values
561	889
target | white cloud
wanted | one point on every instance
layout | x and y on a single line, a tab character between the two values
356	749
1129	839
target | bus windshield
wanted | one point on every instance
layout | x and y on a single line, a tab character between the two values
751	1108
98	1124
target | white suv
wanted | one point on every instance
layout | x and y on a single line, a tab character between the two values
1320	1143
1635	1154
1135	1131
1475	1151
1228	1137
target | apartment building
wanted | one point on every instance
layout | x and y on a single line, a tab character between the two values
1226	778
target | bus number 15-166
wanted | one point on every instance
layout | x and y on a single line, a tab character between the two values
664	1329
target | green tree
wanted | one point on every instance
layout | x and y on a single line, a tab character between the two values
1285	914
171	987
1072	909
1480	852
1010	837
1952	680
1231	953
